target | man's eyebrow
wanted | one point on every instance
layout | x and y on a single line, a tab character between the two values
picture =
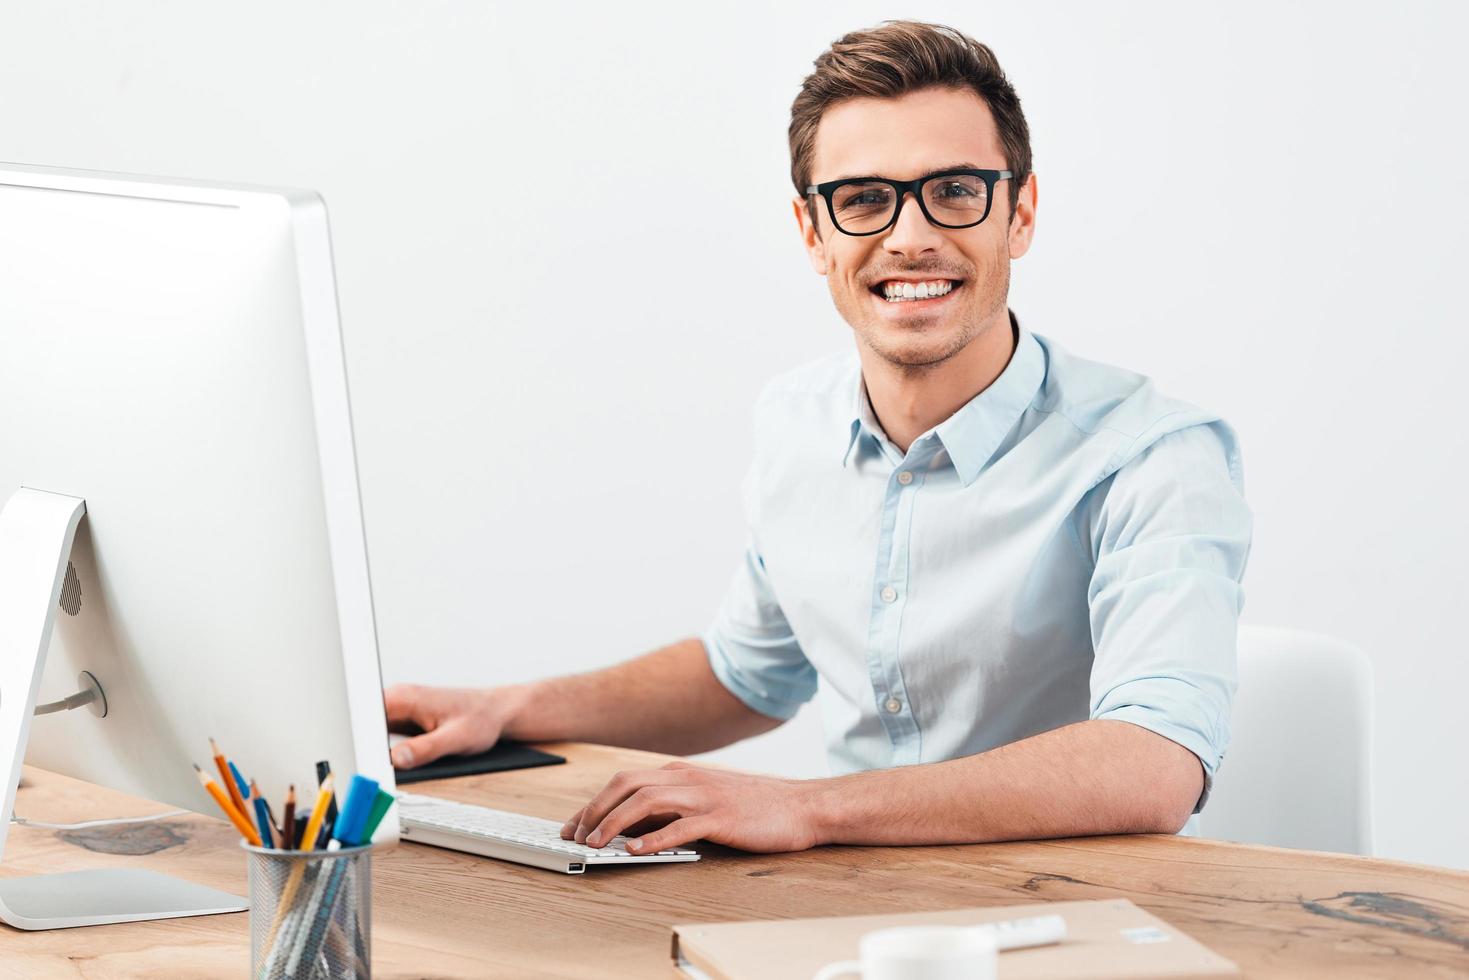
936	170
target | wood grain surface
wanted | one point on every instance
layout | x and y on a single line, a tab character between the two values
440	914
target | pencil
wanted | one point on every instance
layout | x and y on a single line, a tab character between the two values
283	908
236	817
323	769
318	814
262	817
226	778
241	783
288	822
307	843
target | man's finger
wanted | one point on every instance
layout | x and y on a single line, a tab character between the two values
645	803
655	822
423	749
568	829
399	702
619	788
676	834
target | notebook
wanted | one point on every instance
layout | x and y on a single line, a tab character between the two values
1104	939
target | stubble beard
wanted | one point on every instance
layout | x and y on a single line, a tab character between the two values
921	354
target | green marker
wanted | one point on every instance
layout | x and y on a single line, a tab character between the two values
375	815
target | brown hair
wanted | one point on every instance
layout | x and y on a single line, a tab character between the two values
899	57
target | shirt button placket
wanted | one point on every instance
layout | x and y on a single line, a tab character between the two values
892	564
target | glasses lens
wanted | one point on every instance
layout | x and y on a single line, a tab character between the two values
956	199
862	207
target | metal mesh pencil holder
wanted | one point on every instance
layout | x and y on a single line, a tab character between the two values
310	914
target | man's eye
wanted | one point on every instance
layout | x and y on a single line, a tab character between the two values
954	188
864	198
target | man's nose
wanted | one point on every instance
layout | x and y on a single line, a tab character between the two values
912	234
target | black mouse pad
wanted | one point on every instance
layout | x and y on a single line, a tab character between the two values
501	756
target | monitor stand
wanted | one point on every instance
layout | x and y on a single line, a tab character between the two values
36	534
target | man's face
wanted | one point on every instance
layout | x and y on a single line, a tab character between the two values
904	139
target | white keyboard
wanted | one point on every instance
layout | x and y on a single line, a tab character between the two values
512	836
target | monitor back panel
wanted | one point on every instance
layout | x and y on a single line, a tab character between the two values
161	357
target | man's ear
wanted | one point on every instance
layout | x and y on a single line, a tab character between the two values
1022	222
810	236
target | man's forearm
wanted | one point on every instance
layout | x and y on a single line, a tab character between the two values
1094	777
665	701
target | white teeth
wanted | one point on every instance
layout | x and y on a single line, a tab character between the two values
901	292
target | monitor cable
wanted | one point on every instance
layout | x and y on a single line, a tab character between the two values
91	694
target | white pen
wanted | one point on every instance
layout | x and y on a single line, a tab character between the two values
1040	930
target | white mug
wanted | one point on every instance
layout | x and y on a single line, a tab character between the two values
920	953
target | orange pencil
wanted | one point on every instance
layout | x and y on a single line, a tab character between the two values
229	781
236	818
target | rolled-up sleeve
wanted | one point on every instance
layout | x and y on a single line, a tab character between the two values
1170	533
752	649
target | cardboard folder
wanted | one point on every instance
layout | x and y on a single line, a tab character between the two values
1112	938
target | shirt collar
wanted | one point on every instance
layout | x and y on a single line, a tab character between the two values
972	434
864	421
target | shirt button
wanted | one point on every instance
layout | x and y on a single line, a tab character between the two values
893	705
905	478
888	593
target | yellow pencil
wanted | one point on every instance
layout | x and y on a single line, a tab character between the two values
236	817
308	843
318	814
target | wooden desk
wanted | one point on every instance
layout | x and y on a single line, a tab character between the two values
441	914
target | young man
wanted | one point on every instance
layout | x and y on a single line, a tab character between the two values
1016	573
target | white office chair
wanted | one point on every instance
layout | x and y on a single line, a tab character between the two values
1298	771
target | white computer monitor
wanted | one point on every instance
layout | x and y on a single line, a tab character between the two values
171	367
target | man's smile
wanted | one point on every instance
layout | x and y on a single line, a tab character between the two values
914	295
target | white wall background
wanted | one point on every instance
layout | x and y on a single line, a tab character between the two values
567	263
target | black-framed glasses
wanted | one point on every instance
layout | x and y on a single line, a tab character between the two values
949	199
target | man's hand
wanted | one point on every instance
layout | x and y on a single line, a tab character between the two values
663	808
454	720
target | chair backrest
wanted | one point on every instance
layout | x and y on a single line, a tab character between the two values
1298	771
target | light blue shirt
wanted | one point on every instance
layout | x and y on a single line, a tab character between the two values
1068	545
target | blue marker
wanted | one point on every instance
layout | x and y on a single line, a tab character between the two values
353	818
